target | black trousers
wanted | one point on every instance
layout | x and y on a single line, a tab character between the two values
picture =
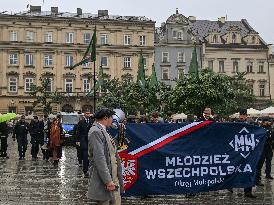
34	145
79	154
268	159
84	152
22	145
4	146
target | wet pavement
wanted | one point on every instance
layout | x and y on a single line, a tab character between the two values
39	182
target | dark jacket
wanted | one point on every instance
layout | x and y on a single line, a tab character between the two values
4	129
82	131
35	128
21	129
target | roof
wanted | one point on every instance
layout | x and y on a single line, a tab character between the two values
202	28
49	14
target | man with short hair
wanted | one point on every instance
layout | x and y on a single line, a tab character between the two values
36	134
83	127
106	181
20	131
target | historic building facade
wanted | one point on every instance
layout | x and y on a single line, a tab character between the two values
173	49
224	46
38	44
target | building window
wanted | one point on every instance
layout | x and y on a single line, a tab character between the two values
145	63
249	67
48	60
28	84
13	36
87	38
142	40
30	36
50	85
127	39
210	64
234	38
179	35
69	37
251	88
235	66
69	61
104	61
253	40
214	39
127	62
180	73
104	39
13	59
68	85
261	67
262	90
29	59
13	84
48	37
12	109
165	73
87	65
165	57
221	66
181	57
86	86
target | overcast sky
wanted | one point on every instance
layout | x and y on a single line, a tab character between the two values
259	13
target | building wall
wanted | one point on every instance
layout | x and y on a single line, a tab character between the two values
115	50
243	56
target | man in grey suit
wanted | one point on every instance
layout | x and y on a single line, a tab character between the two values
105	171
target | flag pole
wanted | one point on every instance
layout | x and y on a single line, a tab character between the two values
94	89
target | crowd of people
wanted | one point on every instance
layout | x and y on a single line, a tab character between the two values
96	148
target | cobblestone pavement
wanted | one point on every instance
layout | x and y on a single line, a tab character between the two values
38	182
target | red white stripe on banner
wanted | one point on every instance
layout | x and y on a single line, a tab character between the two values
156	144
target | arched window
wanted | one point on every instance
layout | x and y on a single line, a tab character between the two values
234	38
215	39
253	40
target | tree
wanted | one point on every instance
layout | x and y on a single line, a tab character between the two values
43	97
193	67
224	94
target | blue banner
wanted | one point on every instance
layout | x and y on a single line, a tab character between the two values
189	158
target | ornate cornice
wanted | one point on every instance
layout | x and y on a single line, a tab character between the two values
86	75
47	74
29	73
69	75
13	73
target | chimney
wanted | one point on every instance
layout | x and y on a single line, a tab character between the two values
221	19
192	18
54	10
102	13
35	9
270	49
79	12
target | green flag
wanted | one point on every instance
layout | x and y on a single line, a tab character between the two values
153	78
90	53
193	67
99	83
141	72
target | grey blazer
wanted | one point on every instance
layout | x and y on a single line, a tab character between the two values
100	169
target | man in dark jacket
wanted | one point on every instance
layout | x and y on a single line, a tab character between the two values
3	138
36	135
20	132
82	139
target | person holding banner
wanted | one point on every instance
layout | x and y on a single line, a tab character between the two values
105	171
243	119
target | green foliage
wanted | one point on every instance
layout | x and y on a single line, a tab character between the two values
43	98
224	94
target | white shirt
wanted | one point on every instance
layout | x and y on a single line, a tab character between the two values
103	126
